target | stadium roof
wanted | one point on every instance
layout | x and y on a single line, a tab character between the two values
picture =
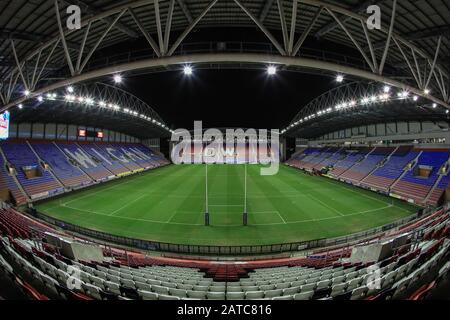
36	52
361	103
97	105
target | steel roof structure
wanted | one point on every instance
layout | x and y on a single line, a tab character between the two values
39	54
361	103
135	117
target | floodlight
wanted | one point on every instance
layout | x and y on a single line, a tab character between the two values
187	70
117	78
271	70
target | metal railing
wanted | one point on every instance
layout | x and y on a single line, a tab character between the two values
226	47
224	250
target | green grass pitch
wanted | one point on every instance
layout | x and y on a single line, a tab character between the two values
168	205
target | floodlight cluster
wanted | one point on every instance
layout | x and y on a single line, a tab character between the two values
70	97
367	100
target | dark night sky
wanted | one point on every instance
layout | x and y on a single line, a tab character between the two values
227	98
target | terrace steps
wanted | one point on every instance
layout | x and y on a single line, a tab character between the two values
20	156
435	193
40	159
379	166
14	186
405	171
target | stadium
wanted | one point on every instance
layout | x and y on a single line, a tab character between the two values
224	150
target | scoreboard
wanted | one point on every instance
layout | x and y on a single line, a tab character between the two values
83	133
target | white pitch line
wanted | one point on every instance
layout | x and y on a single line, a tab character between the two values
127	204
226	205
172	216
328	218
224	226
117	184
129	218
325	205
284	221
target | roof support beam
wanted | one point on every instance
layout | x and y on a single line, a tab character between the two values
146	34
18	35
333	25
306	32
168	25
19	66
388	41
251	58
265	10
90	10
280	4
185	10
263	29
293	25
190	27
352	39
159	27
86	60
63	39
434	62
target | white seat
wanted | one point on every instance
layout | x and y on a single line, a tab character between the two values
307	295
353	284
112	287
338	289
166	297
185	286
160	290
196	294
291	291
113	278
146	295
323	284
359	293
283	298
97	281
178	293
217	289
339	279
91	290
143	286
308	287
215	295
254	295
154	282
127	283
235	295
351	275
273	293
